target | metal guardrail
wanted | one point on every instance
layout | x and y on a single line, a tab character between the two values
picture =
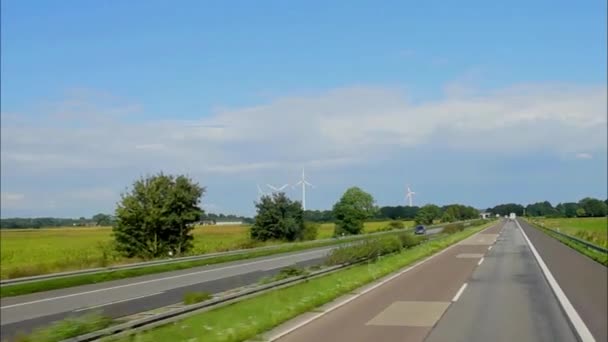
22	280
206	305
573	238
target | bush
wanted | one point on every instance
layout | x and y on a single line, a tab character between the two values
408	240
369	249
196	297
453	228
396	225
310	231
68	328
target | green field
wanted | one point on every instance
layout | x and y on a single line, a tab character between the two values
27	252
592	229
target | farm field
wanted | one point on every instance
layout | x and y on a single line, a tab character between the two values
27	252
592	229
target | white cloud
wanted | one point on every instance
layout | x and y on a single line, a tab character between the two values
11	200
584	155
332	129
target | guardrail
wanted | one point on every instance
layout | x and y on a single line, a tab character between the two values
572	238
22	280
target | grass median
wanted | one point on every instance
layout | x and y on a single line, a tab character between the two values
249	318
85	279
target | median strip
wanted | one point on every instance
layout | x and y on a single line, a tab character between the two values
253	316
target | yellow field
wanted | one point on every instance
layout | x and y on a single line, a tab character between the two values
25	252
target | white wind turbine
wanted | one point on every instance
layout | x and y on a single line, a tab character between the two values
304	183
409	195
277	189
260	192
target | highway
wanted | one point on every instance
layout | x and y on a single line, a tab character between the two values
489	287
133	295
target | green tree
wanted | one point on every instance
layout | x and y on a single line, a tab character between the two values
278	218
352	210
427	214
156	217
102	219
593	207
580	212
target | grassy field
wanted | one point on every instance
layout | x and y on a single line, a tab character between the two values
592	229
27	252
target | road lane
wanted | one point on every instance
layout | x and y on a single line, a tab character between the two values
405	308
583	280
507	299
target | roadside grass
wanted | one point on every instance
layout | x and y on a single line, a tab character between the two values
67	249
67	328
598	256
591	229
246	319
58	283
196	297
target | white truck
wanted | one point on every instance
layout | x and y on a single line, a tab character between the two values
512	216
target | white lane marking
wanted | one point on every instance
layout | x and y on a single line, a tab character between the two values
455	299
118	301
490	248
342	303
578	324
156	280
480	261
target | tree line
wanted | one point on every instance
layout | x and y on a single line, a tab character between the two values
586	207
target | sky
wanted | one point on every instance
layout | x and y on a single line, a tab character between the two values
471	102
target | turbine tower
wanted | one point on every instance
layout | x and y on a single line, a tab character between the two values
409	195
304	183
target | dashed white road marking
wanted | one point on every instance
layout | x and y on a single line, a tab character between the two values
464	286
490	248
115	302
480	261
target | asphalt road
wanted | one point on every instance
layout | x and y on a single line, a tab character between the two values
405	308
583	280
129	296
507	299
486	288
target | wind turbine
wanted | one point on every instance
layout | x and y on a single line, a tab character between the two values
409	195
260	192
277	189
304	183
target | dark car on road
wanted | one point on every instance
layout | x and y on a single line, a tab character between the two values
420	230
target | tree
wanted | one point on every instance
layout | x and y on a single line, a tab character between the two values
352	210
156	217
427	214
541	209
593	207
506	209
102	219
278	218
580	212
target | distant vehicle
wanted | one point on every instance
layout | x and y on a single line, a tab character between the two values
512	216
420	230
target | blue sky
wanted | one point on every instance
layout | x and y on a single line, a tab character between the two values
474	102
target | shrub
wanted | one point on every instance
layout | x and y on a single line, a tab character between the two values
278	218
67	328
310	231
369	249
196	297
408	240
453	228
396	225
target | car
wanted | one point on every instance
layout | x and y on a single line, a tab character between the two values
420	230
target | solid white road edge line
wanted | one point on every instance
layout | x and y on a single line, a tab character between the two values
118	301
578	324
455	299
301	324
158	279
480	261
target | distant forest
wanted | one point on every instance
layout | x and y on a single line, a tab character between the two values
587	207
